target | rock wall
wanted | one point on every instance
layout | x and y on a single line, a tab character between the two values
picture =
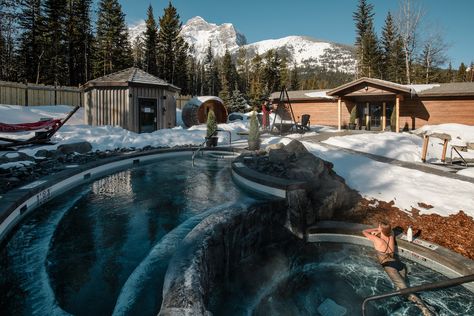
208	253
326	194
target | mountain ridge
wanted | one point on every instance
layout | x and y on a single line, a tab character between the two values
305	51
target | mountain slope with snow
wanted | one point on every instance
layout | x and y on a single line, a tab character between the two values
307	51
303	50
199	34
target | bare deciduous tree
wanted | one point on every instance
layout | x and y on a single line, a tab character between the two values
434	51
409	19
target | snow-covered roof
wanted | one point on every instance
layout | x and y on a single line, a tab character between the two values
304	94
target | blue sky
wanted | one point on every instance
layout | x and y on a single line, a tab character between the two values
322	19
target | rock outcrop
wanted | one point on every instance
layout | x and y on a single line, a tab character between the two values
326	193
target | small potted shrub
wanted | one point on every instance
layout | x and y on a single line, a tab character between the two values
211	134
254	133
352	119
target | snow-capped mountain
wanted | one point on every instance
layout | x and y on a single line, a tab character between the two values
303	50
136	30
199	34
307	51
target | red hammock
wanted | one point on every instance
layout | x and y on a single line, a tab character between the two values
22	127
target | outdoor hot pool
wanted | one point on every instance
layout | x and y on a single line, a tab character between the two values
297	278
103	248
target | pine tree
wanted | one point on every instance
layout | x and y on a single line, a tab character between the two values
393	57
31	50
257	89
171	48
113	52
294	78
368	52
461	75
284	72
211	84
138	47
237	102
228	75
449	73
8	34
271	71
79	41
151	36
56	68
243	70
193	72
181	75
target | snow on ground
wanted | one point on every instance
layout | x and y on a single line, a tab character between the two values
464	133
108	137
13	114
406	187
408	146
400	146
468	172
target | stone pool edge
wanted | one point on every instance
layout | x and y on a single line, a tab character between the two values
18	203
442	260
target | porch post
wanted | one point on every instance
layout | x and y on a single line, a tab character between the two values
367	117
339	114
397	112
384	107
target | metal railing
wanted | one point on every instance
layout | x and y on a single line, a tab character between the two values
421	288
207	138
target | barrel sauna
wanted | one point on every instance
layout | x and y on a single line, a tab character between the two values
195	110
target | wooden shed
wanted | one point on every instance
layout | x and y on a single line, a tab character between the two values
132	99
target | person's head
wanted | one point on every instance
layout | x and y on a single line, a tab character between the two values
385	228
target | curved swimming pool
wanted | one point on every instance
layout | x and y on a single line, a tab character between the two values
297	278
103	248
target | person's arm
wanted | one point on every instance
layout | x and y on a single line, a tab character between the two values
369	233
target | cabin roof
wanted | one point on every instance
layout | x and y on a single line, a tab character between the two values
130	75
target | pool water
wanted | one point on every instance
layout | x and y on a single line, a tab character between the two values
297	278
103	248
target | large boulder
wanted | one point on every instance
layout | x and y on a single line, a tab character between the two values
326	194
79	147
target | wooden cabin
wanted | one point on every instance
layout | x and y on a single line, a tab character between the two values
132	99
375	100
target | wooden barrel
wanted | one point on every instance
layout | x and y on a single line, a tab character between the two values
195	110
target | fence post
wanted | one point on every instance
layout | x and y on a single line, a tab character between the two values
26	93
55	93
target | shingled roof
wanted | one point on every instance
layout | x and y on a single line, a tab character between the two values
130	75
455	89
449	89
304	95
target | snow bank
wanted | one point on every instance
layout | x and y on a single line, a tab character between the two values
405	187
461	132
400	146
14	114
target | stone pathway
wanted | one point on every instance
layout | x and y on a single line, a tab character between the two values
424	167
